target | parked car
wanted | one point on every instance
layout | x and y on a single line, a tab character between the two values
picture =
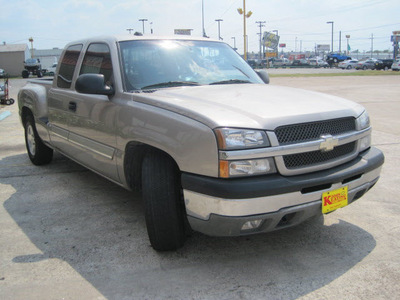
366	64
318	63
2	73
348	64
396	65
334	58
284	62
383	64
300	63
32	66
52	70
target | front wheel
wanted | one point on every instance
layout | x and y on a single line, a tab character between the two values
163	202
25	74
38	152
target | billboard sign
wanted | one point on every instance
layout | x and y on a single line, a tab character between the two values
271	40
183	31
323	47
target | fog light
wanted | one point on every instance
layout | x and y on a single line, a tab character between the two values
251	224
365	142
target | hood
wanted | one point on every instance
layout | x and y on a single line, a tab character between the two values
256	106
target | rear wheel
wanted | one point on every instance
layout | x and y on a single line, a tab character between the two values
38	152
163	202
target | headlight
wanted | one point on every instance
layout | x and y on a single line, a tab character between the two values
363	121
236	139
248	167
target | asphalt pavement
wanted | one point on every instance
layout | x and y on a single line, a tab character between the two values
67	233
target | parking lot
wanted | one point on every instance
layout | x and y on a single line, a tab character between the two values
67	233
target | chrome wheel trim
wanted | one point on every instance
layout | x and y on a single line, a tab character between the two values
30	138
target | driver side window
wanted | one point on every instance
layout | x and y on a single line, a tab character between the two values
97	60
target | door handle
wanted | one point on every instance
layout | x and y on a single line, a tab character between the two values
72	106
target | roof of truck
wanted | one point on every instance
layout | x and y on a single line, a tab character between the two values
129	37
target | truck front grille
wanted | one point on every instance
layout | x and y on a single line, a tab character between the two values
298	133
304	132
308	159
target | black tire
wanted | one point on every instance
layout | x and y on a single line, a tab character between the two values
8	102
163	202
38	152
349	67
25	74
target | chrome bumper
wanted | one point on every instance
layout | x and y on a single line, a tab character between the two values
287	201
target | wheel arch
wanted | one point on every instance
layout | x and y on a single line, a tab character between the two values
133	163
25	111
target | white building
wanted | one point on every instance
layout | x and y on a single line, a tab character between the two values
12	58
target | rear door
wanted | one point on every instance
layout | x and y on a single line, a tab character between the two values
60	96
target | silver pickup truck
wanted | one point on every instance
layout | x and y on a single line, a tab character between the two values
211	146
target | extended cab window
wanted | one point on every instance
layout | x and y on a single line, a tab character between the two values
67	67
97	61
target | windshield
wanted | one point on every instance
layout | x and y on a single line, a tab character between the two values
165	63
31	61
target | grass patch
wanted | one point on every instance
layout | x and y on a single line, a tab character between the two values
357	73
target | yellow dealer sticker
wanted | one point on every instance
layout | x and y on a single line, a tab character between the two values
333	200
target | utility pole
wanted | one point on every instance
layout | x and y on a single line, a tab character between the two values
143	20
129	30
261	25
340	41
331	22
219	29
372	44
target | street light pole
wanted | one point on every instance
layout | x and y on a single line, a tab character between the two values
234	43
219	29
347	37
143	20
243	12
331	22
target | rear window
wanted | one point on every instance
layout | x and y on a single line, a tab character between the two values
67	66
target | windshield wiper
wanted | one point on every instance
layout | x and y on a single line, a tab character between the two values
170	84
231	81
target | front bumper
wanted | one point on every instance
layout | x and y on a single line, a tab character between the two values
220	207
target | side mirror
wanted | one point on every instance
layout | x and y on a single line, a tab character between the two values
93	84
263	75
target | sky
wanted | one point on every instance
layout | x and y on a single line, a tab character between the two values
301	24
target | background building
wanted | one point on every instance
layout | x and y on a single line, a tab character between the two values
12	58
47	57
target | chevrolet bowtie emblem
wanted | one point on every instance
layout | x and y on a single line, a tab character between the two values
328	143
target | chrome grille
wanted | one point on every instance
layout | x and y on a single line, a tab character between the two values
311	131
308	159
304	132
